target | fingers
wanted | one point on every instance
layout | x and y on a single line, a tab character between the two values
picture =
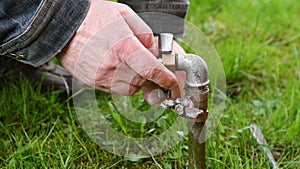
139	64
139	28
152	70
154	95
147	66
181	76
124	89
151	90
126	81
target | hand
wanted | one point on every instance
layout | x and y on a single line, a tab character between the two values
111	51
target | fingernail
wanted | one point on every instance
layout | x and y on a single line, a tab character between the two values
155	97
161	95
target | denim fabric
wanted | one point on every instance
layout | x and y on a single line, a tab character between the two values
15	21
36	30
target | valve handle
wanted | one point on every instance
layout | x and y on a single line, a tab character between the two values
184	107
165	43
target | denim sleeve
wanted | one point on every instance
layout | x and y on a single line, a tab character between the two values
36	30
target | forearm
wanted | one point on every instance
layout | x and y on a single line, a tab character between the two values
34	31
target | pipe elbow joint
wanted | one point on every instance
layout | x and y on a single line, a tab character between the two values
195	68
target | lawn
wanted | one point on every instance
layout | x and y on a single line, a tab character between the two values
258	42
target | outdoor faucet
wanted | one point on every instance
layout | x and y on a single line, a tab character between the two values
195	93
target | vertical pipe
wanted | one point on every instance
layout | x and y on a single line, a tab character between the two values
196	136
197	146
196	87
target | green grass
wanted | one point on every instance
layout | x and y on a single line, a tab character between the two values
258	42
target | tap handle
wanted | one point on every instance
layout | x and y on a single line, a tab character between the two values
165	42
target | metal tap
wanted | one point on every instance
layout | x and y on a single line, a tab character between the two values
184	106
193	105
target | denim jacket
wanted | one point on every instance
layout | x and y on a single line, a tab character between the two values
33	31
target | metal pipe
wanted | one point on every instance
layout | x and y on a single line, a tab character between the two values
197	88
